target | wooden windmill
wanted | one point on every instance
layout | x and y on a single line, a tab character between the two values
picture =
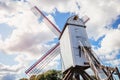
75	50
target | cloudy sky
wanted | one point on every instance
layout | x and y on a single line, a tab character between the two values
24	37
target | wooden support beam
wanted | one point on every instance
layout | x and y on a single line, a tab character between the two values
109	77
118	73
70	76
84	77
106	67
67	74
77	76
110	72
105	72
88	76
76	72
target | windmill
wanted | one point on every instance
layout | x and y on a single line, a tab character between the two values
75	50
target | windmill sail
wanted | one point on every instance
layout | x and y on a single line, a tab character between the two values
52	53
44	60
85	19
50	25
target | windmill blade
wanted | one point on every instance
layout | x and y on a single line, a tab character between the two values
85	19
38	66
50	25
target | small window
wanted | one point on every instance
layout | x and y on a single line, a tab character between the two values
75	18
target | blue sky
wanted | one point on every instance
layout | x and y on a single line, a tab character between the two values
21	35
5	31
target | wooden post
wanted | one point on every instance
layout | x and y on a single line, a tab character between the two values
118	73
77	77
76	72
109	77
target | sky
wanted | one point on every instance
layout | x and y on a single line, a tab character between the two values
21	32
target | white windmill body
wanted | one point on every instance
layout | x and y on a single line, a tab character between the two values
72	39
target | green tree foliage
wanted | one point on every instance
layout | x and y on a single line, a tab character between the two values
50	75
33	77
40	77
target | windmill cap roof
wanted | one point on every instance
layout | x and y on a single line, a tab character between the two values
75	20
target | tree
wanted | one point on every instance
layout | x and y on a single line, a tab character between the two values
40	77
33	77
50	75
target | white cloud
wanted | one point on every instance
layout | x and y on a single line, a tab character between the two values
111	42
110	47
4	5
28	33
11	69
7	71
51	6
9	76
101	14
10	72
